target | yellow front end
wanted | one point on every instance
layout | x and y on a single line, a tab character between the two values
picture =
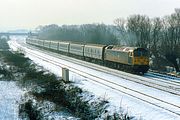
142	60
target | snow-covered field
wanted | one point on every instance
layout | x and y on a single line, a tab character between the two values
10	95
117	100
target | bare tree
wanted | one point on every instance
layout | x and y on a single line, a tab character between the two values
171	38
125	37
156	36
121	29
120	24
141	27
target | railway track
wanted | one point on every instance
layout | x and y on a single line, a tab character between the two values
171	86
171	81
171	107
163	77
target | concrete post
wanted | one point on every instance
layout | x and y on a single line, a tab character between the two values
65	74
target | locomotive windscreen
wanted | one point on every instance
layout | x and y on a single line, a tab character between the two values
140	52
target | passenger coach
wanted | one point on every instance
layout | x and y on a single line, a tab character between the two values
94	52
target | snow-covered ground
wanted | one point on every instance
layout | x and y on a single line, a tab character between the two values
131	105
10	95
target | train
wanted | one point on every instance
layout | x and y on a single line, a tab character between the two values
129	59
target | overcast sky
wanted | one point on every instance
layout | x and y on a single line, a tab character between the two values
31	13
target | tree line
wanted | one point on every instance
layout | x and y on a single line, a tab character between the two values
87	33
160	35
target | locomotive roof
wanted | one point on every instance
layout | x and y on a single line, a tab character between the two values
124	48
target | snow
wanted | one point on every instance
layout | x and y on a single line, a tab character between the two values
134	107
10	95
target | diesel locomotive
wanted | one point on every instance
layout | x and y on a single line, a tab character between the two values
131	59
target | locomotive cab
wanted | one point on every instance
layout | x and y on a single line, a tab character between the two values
140	60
